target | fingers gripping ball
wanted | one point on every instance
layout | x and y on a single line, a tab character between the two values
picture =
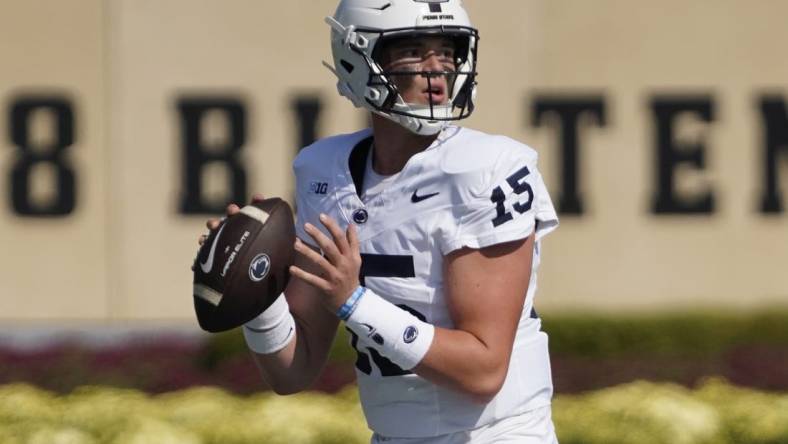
242	267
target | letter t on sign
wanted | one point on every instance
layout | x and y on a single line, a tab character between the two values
569	109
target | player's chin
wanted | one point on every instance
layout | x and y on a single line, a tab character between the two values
434	99
427	99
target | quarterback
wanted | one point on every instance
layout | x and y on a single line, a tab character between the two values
419	236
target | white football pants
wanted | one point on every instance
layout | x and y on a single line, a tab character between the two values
533	427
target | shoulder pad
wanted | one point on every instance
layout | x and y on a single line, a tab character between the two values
324	151
476	151
475	160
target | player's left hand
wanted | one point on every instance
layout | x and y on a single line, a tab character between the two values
339	265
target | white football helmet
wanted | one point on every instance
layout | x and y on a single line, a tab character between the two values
360	26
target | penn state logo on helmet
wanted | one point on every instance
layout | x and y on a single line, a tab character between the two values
259	267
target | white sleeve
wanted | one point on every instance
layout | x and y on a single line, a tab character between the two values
512	204
305	212
303	215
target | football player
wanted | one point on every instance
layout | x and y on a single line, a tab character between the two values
422	238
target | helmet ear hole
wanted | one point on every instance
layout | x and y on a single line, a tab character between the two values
347	65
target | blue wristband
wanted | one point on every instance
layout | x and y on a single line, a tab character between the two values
350	305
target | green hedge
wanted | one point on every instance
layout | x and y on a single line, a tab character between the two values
676	334
594	351
636	413
596	335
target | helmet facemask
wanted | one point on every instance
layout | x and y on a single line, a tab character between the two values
456	79
358	51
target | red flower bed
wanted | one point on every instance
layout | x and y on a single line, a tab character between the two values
757	366
155	367
587	354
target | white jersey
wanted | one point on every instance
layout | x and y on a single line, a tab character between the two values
467	189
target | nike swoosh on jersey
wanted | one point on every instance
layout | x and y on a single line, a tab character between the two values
415	198
208	264
370	329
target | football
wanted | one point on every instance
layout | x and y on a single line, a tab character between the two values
242	267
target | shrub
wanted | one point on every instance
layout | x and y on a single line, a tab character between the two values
636	413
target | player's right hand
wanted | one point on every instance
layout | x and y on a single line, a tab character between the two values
231	210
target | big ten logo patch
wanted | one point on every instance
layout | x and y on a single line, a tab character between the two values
318	187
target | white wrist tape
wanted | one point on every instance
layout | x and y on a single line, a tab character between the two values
272	330
395	333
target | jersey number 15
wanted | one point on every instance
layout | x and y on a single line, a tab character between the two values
519	186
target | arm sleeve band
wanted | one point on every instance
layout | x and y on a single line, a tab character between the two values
272	330
396	334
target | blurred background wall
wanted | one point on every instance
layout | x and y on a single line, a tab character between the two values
662	129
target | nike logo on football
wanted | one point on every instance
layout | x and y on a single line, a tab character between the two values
415	198
208	264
